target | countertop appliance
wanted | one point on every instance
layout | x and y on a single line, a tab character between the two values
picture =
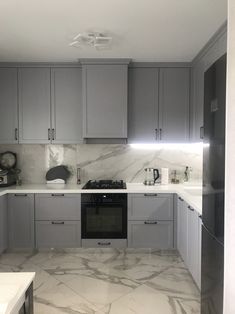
151	176
8	171
104	215
213	188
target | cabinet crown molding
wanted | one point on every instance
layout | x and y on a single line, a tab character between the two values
104	61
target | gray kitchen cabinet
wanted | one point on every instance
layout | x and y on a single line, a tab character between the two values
150	206
150	220
3	223
58	222
158	104
8	106
182	229
104	100
66	91
21	220
34	105
143	104
57	206
174	104
58	234
150	234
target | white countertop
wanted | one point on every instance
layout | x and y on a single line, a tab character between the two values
12	291
191	194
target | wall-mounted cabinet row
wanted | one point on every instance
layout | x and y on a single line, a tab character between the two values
70	104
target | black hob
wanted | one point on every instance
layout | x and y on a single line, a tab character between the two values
104	184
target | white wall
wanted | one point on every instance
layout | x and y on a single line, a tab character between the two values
229	283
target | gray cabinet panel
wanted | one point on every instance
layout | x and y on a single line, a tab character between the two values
142	235
21	220
67	105
150	206
182	229
3	223
34	105
193	245
8	106
58	234
104	243
174	104
105	101
57	206
142	104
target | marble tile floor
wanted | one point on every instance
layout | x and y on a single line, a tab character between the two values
108	281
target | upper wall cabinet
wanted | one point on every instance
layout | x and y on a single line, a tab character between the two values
34	105
66	105
8	106
216	47
105	99
143	105
158	105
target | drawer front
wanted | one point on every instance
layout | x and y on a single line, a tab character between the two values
146	234
104	243
58	234
150	206
58	206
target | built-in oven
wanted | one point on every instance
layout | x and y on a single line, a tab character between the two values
104	216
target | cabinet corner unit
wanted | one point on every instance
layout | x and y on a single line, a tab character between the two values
104	98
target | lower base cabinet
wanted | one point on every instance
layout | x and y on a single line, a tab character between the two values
104	243
150	234
58	234
21	221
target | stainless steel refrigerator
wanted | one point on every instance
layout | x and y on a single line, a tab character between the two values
213	188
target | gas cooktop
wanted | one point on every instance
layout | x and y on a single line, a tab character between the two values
104	184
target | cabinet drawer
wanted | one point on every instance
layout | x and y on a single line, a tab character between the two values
104	243
150	206
58	206
146	234
58	234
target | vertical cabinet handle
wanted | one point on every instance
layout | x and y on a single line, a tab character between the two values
160	134
53	134
49	134
156	134
16	134
201	132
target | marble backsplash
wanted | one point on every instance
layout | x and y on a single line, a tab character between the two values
99	161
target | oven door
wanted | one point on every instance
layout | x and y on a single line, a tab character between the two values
104	221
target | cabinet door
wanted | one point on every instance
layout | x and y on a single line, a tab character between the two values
58	234
145	234
66	105
34	105
57	206
193	245
143	105
150	206
174	104
105	101
3	223
21	220
182	229
8	106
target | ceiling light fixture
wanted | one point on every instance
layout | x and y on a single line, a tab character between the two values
96	40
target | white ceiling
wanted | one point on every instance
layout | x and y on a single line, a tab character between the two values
144	30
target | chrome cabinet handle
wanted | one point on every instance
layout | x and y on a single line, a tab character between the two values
156	134
24	195
104	243
53	134
57	222
57	194
180	198
49	134
190	208
150	222
150	194
160	134
16	134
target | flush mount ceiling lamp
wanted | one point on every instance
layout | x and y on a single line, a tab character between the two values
96	40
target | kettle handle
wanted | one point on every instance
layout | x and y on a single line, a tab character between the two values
156	174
